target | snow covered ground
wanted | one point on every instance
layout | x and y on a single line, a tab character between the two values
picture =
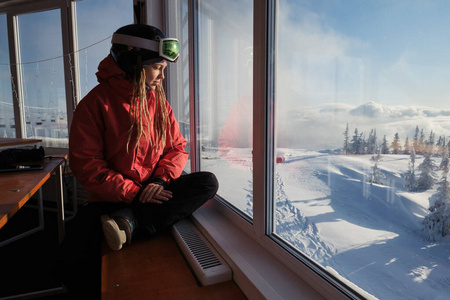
368	234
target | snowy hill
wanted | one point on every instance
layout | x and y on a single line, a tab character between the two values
365	233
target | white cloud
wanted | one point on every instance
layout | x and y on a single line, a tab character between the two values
322	126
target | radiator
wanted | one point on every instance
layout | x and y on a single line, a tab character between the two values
206	264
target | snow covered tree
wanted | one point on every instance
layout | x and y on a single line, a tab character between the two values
431	138
372	142
377	175
416	140
410	177
430	142
422	146
440	144
437	222
384	146
395	145
444	162
346	148
406	148
355	142
362	143
426	177
442	147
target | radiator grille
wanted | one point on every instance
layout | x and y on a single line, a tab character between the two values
207	266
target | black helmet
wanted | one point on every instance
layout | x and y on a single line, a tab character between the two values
148	44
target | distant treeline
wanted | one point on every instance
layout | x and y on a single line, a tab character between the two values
359	144
436	223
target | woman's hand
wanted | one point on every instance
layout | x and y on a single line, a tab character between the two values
155	193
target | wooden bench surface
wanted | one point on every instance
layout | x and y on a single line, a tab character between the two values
16	188
156	269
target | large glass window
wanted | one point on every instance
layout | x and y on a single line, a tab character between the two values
177	26
225	66
41	57
94	34
362	130
7	125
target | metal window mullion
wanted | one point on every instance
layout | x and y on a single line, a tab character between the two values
193	85
262	133
71	63
16	75
271	43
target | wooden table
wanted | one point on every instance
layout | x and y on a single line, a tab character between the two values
14	142
16	188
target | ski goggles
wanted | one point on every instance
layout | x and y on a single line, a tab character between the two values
167	48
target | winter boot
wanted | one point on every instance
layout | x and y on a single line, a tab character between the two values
118	228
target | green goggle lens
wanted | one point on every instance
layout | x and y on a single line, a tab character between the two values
170	49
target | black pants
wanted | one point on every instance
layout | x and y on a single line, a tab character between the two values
80	252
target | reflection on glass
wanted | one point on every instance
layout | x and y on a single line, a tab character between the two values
225	95
7	129
363	128
94	35
178	81
43	77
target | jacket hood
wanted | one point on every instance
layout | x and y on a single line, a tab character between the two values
110	73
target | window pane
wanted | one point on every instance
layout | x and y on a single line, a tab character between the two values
178	79
94	34
360	85
43	77
225	65
6	101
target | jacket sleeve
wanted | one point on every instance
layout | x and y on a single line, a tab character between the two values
87	161
174	157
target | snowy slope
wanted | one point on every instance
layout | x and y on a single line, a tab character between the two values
367	234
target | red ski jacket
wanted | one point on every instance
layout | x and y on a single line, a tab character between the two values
98	136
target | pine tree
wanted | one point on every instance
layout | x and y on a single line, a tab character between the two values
443	147
384	146
355	142
422	147
346	148
427	176
430	142
410	177
372	142
377	175
445	161
406	148
416	140
439	144
395	145
362	143
437	222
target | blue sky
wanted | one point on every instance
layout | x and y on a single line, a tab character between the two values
392	52
393	26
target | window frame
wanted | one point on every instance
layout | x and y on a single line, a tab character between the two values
260	229
70	55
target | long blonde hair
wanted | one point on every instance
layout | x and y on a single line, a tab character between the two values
140	116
